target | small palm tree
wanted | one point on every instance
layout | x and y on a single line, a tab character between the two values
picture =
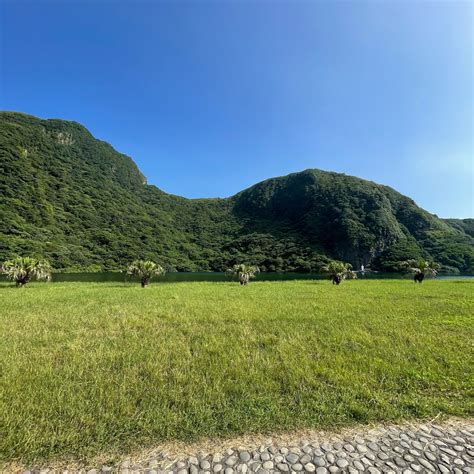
23	269
339	271
243	272
421	268
145	270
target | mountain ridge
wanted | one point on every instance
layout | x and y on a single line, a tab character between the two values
75	200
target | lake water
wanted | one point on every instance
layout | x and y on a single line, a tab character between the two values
215	276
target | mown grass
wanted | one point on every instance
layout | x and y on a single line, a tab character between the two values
90	368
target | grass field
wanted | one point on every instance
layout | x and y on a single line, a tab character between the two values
90	368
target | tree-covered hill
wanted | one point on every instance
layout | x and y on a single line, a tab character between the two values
76	201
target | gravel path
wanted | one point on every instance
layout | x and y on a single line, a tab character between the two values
391	449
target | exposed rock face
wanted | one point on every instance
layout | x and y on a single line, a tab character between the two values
64	138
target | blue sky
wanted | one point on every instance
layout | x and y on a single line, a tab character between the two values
209	97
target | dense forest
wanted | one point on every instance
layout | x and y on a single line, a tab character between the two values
74	200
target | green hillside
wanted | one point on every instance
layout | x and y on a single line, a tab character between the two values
76	201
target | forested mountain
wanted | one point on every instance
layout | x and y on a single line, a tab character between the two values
76	201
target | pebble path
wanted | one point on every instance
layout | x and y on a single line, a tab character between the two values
424	448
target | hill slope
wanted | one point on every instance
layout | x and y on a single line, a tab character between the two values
78	202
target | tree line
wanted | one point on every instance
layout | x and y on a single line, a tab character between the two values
21	270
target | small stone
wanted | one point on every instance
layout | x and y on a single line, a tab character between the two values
217	467
193	469
399	461
349	448
309	467
205	464
448	451
297	467
228	470
373	470
373	446
216	458
342	463
231	461
436	432
330	457
417	445
193	460
444	458
183	471
326	447
425	463
319	461
415	467
265	456
382	456
359	465
283	467
366	461
307	450
268	465
361	448
279	459
305	459
244	456
443	469
321	470
292	458
430	456
284	451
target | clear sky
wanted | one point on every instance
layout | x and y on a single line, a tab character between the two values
210	97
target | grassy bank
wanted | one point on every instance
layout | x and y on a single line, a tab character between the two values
91	368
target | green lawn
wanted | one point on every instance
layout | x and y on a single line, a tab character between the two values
87	369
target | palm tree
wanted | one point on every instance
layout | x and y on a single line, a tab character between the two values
243	272
338	271
421	268
145	270
22	269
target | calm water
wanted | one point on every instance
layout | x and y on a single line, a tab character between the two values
215	276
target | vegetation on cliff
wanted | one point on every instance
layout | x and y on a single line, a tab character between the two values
75	201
